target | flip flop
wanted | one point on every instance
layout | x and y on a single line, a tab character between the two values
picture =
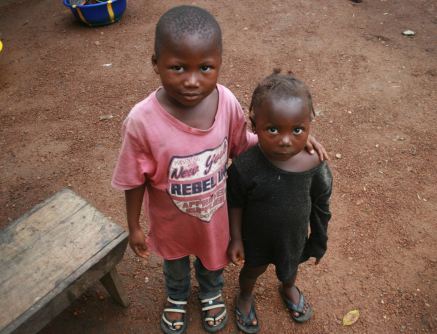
246	326
299	307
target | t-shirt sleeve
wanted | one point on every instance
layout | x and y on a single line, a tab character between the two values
236	191
240	137
135	161
321	189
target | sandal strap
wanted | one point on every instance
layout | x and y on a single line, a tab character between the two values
176	302
299	307
217	317
207	300
175	310
213	306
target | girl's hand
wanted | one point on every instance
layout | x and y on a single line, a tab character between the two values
313	146
137	241
236	251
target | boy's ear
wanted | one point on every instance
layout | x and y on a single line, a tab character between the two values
154	60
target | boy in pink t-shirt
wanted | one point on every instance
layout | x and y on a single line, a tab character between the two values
176	144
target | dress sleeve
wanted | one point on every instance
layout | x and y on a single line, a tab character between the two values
321	189
135	161
236	191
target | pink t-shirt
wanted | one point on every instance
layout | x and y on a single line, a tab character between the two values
184	169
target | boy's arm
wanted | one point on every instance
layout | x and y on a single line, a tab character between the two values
321	190
236	194
235	249
313	146
137	239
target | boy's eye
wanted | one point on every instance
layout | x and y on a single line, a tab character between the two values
205	68
177	68
297	131
272	130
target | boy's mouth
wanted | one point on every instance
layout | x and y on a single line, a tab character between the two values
190	96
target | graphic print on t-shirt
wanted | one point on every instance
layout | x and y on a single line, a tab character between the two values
196	183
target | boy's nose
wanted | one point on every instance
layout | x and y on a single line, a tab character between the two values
191	80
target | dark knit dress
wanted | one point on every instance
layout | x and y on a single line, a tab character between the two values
278	207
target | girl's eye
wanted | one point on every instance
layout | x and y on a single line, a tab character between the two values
297	131
205	68
272	130
177	68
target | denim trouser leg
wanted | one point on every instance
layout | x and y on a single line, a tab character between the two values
210	282
177	278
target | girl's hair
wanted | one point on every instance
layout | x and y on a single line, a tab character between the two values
280	86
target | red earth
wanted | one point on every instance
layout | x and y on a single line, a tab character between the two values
375	96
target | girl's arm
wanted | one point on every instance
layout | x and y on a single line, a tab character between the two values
321	190
235	249
137	239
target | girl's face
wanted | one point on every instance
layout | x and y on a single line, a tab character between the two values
282	126
188	69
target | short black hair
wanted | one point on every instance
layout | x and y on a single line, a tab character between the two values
280	86
186	20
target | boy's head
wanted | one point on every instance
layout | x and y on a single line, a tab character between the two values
188	56
183	21
281	111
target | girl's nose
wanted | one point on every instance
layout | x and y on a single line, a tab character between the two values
192	80
285	140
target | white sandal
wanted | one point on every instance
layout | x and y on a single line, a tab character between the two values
219	320
168	326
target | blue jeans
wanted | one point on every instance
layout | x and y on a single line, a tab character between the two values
177	279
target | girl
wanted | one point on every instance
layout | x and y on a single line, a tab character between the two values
275	191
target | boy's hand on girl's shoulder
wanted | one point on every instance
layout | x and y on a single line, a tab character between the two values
137	241
313	146
236	252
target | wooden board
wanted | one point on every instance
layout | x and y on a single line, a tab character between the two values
49	256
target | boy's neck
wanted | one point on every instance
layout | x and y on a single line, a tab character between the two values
200	116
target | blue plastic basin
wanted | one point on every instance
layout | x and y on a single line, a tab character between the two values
98	14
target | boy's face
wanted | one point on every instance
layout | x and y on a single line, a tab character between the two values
282	126
188	69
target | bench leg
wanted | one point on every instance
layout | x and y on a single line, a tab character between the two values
111	281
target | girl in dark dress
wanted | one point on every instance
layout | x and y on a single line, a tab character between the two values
277	192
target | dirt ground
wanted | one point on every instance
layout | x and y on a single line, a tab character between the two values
375	94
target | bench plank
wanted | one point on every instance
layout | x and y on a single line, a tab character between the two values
51	255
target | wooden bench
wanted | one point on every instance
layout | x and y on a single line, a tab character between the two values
51	255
